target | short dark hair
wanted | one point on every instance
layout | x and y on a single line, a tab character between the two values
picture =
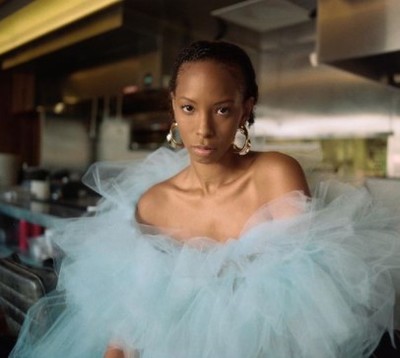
221	52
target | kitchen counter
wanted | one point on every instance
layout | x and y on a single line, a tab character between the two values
18	204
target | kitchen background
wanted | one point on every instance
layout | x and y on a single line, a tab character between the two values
87	81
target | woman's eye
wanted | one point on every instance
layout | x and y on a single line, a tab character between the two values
223	111
187	108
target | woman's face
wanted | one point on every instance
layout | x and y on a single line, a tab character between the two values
209	107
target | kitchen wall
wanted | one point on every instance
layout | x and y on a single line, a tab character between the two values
92	126
65	143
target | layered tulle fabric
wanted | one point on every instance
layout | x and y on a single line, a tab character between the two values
315	285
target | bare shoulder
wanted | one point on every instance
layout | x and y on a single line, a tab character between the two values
276	161
149	204
282	172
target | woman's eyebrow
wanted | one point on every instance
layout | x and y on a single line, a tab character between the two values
225	101
185	99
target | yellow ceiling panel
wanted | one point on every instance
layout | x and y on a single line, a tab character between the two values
42	17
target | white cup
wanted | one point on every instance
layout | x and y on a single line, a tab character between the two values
40	189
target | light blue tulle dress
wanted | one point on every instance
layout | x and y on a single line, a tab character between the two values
317	285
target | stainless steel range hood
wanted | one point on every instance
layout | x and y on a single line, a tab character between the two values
360	36
266	15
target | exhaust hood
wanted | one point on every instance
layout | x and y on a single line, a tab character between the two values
264	15
360	36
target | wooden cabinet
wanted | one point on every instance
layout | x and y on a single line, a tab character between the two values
19	120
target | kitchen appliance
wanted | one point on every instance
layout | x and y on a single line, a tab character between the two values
21	285
9	169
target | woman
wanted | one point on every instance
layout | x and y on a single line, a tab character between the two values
213	93
226	255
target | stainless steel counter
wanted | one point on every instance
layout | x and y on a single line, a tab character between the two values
19	205
16	204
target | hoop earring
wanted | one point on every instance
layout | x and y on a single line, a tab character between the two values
244	143
171	137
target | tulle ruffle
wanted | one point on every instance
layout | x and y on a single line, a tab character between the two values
315	285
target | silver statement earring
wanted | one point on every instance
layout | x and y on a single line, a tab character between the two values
241	144
173	137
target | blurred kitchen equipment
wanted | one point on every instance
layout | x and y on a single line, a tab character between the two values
9	168
22	284
37	181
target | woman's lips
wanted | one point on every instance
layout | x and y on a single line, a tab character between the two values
202	150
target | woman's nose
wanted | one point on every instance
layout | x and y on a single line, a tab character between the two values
205	127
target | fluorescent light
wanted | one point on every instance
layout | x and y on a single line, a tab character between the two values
42	17
307	126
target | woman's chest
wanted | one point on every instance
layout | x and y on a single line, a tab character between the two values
220	218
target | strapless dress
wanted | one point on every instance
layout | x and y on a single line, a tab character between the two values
317	285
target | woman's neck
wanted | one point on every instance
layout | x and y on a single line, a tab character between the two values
211	177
